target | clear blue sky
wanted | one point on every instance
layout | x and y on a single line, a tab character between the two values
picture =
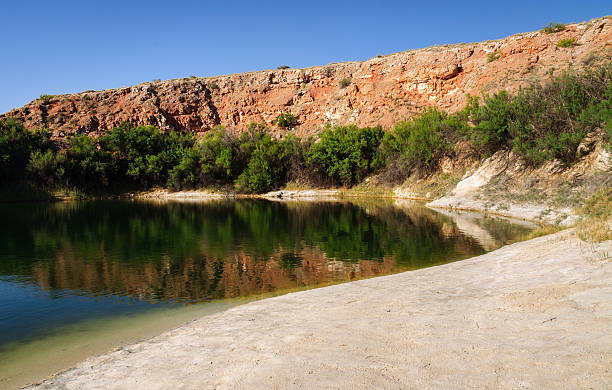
53	47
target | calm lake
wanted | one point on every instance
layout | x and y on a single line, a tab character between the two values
79	278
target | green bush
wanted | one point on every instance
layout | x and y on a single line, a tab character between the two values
282	67
265	168
253	162
345	82
47	167
208	162
543	122
491	121
298	170
554	118
246	145
16	145
187	172
328	71
217	152
345	154
418	144
599	113
493	56
86	165
144	153
553	27
568	42
46	98
286	121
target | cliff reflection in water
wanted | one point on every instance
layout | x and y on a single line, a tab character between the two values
193	252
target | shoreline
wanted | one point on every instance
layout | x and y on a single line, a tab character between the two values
26	363
515	212
533	314
328	194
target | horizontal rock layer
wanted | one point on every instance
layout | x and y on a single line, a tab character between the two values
382	90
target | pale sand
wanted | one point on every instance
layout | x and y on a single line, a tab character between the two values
535	314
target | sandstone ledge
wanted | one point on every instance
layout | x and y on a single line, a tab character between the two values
534	314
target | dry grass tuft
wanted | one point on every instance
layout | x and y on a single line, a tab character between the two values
543	230
596	223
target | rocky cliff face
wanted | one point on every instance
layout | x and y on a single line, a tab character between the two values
382	90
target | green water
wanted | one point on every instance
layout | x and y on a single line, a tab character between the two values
79	278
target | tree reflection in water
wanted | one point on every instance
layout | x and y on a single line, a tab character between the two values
193	252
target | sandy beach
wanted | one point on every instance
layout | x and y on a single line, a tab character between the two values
531	315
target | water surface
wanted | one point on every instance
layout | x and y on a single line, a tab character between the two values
77	278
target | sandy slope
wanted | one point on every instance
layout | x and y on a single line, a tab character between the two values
536	314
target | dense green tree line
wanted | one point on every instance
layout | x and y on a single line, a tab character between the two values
539	122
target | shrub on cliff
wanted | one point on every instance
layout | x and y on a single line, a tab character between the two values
568	42
46	98
553	27
493	56
345	82
286	121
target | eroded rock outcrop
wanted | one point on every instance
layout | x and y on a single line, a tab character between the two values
382	90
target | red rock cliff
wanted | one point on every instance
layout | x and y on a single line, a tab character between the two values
382	90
